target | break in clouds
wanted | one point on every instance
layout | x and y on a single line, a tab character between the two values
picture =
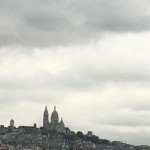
89	58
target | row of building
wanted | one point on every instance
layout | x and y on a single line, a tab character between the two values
55	136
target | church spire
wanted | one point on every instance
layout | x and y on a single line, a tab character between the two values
46	118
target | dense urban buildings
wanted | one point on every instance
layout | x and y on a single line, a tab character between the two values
55	136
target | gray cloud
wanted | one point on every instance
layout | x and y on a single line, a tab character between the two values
38	23
129	119
104	84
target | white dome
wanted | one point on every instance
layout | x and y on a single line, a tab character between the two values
54	116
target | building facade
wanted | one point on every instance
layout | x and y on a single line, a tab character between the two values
54	123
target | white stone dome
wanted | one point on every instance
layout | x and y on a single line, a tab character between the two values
54	116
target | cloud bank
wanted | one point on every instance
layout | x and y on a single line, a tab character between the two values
41	24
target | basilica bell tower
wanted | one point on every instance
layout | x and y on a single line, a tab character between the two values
46	119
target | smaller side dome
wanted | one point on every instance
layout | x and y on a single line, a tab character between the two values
62	123
54	116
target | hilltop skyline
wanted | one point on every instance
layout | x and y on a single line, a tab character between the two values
88	58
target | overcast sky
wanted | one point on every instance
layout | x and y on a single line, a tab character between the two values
90	58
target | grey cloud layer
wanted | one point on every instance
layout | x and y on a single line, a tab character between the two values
110	80
44	23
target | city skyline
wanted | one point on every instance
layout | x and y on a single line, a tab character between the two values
89	58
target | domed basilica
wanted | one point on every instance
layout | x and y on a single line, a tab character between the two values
54	124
